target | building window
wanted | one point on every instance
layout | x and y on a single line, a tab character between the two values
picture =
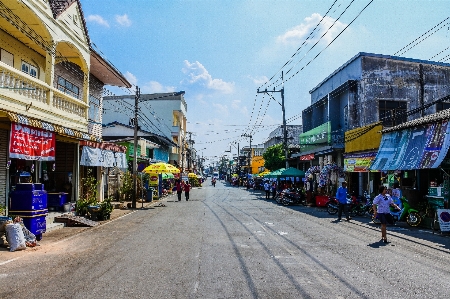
29	69
346	117
392	113
7	57
94	110
442	106
68	87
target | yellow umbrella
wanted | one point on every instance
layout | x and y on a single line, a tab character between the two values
192	175
161	168
264	173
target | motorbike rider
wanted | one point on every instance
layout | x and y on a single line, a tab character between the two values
341	196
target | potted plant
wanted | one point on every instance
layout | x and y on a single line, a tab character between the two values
105	209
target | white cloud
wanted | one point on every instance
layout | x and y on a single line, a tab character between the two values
156	87
123	20
197	73
300	32
259	80
97	19
131	78
221	109
235	104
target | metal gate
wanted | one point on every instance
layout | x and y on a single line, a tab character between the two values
114	183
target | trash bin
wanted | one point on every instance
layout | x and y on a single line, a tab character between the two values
150	194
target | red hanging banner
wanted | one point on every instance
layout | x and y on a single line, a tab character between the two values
29	143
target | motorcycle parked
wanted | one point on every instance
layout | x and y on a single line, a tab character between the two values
292	197
355	207
408	214
332	205
368	207
278	197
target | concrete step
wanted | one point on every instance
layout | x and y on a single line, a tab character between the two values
53	226
50	221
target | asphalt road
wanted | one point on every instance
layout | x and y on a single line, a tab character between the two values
227	242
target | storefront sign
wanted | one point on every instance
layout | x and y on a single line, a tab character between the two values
105	158
109	146
444	219
319	136
154	180
31	143
307	157
358	162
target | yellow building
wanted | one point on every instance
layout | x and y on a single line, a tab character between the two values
51	85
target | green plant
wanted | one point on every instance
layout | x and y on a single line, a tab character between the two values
88	193
2	209
126	190
274	157
106	208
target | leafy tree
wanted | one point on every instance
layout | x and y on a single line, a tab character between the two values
274	157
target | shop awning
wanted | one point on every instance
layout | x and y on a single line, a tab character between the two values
419	147
91	156
24	120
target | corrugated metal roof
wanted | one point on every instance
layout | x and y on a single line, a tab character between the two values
444	114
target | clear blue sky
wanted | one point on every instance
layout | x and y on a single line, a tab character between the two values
220	52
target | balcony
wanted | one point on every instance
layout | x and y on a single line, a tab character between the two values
175	131
24	94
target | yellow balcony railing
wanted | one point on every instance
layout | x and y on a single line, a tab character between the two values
23	88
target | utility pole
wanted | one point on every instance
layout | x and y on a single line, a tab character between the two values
189	151
250	151
281	91
239	163
136	110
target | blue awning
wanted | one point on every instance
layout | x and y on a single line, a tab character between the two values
420	147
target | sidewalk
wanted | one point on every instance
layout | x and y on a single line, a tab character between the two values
59	232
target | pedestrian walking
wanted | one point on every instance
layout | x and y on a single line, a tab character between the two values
341	196
396	194
187	188
381	207
274	189
179	189
267	189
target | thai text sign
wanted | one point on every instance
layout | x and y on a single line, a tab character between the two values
444	219
319	136
31	143
358	162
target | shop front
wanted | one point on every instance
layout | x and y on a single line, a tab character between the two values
415	154
361	147
39	152
106	162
